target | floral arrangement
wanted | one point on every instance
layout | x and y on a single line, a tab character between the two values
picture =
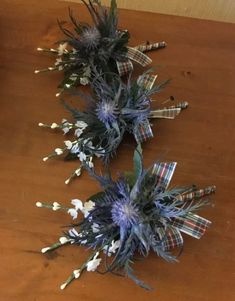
132	215
115	108
138	212
101	44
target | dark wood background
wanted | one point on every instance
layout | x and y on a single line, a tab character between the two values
200	58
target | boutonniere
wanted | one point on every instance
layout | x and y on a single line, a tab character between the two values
113	109
101	44
135	214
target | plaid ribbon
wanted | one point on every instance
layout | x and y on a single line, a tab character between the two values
182	105
147	80
138	56
124	67
169	112
193	225
197	194
171	238
143	131
135	55
148	47
165	113
164	171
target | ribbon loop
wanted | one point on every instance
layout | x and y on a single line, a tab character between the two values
171	238
147	80
143	131
165	172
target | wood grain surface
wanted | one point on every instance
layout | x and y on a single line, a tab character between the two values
200	58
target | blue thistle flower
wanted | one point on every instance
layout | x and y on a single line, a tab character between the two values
107	111
124	213
137	213
141	212
90	38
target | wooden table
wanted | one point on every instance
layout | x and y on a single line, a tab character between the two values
200	58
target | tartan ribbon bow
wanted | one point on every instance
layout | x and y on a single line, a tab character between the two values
191	224
143	131
137	55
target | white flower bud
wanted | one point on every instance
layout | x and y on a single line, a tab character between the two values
45	159
54	125
76	273
39	49
68	86
63	240
51	68
56	206
40	124
68	144
84	81
78	172
91	164
36	71
58	94
44	250
63	286
39	204
67	181
58	151
94	263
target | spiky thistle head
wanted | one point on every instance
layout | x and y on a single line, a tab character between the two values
107	111
124	211
90	38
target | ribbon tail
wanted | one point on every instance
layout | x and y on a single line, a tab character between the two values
165	113
169	112
181	105
192	224
151	46
197	194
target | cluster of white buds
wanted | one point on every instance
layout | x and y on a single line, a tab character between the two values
75	174
52	126
85	208
90	265
54	206
59	64
66	126
57	152
62	49
62	241
109	250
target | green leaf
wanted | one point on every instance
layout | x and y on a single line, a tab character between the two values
131	178
96	196
138	161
